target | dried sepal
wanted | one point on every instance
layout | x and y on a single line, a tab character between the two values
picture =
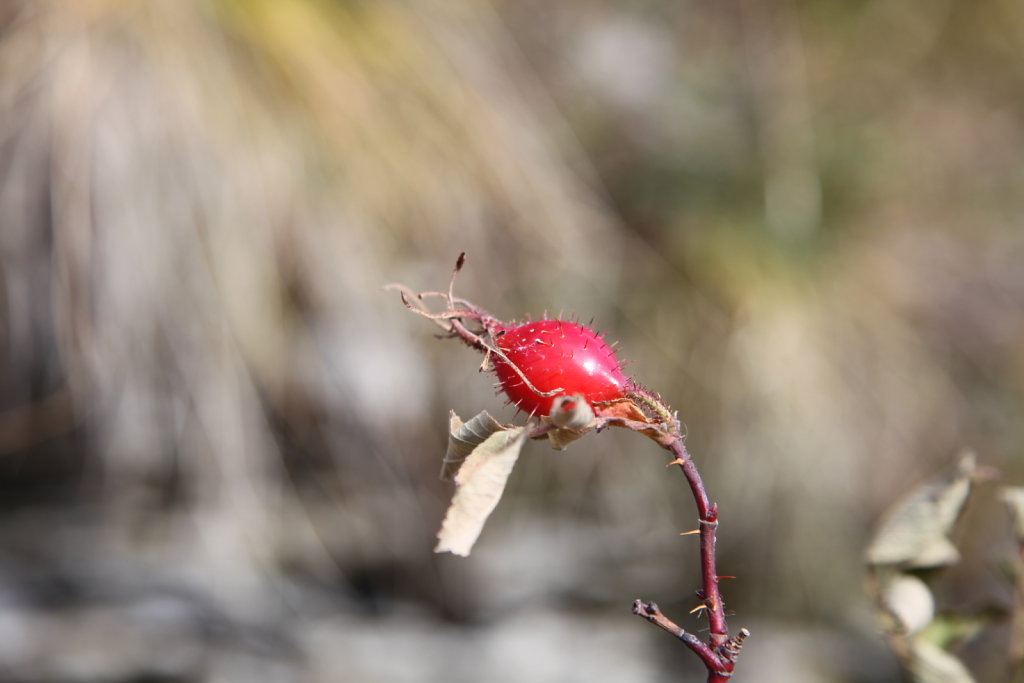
625	413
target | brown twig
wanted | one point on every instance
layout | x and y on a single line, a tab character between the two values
652	613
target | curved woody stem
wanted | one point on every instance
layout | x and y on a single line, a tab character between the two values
653	419
720	668
719	654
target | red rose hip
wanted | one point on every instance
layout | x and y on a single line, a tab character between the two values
556	354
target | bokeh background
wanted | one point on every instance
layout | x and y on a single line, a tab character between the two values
220	437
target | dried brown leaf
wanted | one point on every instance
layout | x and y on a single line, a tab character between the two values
481	455
625	413
464	437
621	408
915	533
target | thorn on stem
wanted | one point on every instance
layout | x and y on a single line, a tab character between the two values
690	533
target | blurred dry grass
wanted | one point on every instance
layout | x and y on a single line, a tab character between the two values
220	438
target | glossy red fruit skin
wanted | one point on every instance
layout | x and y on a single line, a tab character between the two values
556	354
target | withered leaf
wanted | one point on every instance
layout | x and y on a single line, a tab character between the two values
464	437
481	454
1013	496
915	533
